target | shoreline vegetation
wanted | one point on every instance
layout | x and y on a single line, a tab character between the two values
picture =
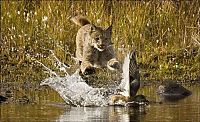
37	35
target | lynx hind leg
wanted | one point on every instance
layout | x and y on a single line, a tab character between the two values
113	64
87	68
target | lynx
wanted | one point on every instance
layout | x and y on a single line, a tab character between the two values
94	47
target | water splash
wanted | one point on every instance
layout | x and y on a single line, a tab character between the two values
75	91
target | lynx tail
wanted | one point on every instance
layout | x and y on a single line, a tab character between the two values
80	20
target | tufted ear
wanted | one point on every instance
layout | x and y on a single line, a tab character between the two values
109	30
92	29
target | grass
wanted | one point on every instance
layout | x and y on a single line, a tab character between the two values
166	35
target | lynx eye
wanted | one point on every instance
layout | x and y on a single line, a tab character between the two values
97	38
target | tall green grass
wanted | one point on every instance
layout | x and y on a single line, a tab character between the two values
166	35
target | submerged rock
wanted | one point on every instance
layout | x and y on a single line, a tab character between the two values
173	91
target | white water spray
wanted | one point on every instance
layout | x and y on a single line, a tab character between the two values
75	91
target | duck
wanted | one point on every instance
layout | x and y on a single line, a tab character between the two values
130	84
138	101
173	91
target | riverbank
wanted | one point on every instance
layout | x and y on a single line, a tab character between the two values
36	34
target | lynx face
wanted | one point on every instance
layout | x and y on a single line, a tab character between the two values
100	39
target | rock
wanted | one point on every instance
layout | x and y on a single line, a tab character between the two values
173	91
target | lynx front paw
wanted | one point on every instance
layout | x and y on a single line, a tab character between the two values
113	64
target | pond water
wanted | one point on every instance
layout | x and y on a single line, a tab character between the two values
49	106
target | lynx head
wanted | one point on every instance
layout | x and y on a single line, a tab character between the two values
100	38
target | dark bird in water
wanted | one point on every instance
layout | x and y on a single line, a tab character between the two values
141	100
130	83
173	91
2	99
137	101
134	75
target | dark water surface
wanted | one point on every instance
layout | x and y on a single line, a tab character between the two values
49	106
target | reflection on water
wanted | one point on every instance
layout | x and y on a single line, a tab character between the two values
111	113
50	107
28	113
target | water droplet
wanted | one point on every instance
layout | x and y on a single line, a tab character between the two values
12	48
176	66
27	19
98	20
44	18
13	28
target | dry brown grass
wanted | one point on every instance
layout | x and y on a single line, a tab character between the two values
164	33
